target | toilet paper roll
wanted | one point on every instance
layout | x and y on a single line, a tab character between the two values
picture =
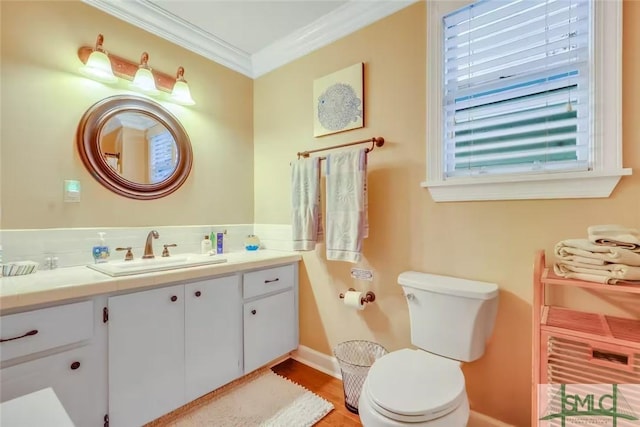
354	299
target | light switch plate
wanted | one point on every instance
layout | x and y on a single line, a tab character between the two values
71	191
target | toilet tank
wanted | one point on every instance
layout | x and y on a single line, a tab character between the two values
449	316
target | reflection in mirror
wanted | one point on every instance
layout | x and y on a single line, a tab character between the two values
134	147
138	147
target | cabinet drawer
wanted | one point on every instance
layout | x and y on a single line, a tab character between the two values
266	281
39	330
572	359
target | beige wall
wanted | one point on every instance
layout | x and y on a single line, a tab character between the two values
491	241
44	97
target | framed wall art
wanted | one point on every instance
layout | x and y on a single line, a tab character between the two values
338	101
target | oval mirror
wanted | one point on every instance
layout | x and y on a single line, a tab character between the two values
134	147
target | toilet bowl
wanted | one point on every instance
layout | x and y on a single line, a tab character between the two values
414	388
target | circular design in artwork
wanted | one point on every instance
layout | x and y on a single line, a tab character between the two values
338	106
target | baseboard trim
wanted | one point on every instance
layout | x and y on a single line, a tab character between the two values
329	365
320	361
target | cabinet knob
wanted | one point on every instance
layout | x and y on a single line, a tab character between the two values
174	298
253	312
198	293
75	365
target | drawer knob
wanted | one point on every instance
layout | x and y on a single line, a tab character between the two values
174	298
272	280
28	334
253	312
198	293
75	365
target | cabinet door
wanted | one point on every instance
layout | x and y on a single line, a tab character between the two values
269	329
213	334
146	355
72	375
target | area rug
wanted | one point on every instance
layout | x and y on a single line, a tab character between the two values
262	399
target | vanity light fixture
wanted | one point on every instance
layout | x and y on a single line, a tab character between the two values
154	82
143	79
98	66
181	93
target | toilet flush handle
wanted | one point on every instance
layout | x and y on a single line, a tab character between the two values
411	297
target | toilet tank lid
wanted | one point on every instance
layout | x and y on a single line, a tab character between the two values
448	285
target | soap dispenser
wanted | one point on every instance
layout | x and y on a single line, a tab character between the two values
101	250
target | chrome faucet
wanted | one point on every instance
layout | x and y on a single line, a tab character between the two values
148	246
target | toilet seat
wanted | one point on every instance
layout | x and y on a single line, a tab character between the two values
415	386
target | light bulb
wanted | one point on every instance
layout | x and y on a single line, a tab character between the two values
181	93
98	66
144	80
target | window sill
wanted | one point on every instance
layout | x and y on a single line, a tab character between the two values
570	185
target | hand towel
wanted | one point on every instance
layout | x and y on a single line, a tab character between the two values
346	215
615	235
305	203
582	250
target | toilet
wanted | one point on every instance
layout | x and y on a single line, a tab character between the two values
451	320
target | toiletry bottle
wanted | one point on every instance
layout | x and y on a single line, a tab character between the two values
212	237
205	245
220	243
101	250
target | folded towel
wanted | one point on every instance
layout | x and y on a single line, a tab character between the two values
610	271
615	235
346	205
582	250
562	271
305	203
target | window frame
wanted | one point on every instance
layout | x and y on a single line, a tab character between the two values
605	145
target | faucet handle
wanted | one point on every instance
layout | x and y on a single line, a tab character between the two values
165	251
129	255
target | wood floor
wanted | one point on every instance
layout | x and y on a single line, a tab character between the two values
323	385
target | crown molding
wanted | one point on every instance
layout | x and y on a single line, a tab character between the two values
146	15
340	22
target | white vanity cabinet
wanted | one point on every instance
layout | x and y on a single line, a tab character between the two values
170	345
146	355
129	356
213	335
270	314
66	353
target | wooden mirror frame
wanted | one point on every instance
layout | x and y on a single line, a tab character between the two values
88	141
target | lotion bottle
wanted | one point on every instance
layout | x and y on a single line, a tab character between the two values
205	245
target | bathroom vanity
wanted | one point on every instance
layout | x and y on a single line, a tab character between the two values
124	351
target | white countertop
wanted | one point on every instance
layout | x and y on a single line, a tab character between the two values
61	284
40	408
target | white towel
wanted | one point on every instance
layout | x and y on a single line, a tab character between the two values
617	274
615	235
305	203
346	216
582	250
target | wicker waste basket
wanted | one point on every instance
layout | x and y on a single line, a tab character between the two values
355	358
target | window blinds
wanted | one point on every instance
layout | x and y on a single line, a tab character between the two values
516	87
161	156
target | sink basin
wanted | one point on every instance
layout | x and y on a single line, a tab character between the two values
139	266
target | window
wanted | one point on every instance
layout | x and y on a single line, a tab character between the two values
524	100
162	156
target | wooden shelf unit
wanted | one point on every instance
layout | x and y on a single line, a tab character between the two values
571	346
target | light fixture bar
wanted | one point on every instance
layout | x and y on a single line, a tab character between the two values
127	69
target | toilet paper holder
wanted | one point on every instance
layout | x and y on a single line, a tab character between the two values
368	297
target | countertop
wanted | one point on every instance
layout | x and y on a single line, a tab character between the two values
49	286
40	408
